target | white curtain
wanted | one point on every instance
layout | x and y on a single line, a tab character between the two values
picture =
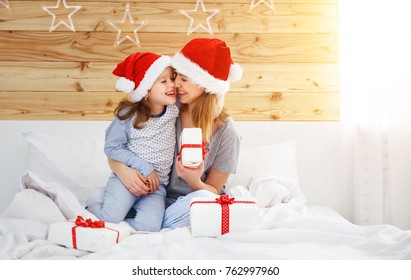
375	48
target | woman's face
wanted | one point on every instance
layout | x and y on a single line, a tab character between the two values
187	91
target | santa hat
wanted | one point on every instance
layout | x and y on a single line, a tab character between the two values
208	63
138	72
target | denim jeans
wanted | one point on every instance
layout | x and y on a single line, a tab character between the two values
116	201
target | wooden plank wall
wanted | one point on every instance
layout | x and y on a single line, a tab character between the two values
289	56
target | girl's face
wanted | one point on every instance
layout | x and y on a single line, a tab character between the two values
187	91
163	90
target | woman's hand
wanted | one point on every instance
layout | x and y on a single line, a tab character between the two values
153	181
133	180
192	176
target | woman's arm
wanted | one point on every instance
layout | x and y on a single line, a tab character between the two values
216	179
192	176
133	180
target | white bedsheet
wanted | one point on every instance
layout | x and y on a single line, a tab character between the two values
289	231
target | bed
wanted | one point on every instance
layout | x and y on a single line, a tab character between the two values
62	172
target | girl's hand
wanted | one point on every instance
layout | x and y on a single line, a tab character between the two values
153	181
133	180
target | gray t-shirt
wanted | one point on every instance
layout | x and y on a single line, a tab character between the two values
223	155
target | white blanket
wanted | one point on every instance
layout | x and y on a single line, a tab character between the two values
289	231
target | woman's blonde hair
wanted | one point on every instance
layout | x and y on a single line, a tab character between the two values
203	114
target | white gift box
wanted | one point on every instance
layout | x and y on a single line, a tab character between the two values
191	147
92	239
212	217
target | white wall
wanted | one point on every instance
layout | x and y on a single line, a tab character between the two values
318	152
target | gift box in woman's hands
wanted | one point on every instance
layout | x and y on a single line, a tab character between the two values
192	147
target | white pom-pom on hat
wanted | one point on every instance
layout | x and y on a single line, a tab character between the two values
236	73
125	85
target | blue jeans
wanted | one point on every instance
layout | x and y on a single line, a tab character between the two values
117	200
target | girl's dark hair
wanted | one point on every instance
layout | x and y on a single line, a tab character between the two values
127	109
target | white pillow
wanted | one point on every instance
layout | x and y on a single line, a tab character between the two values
63	198
277	160
79	165
268	191
33	205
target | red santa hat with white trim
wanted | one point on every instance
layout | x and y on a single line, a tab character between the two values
138	72
207	62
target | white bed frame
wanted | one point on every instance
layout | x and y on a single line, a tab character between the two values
318	151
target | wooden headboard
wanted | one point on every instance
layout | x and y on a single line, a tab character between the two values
289	52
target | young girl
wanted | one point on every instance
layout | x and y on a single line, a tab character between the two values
142	136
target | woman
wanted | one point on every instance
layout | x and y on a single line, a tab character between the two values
204	70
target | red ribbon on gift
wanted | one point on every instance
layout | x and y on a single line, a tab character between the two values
197	146
81	222
88	223
224	200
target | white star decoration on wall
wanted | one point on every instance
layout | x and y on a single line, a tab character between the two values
53	24
138	24
270	5
187	13
5	3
